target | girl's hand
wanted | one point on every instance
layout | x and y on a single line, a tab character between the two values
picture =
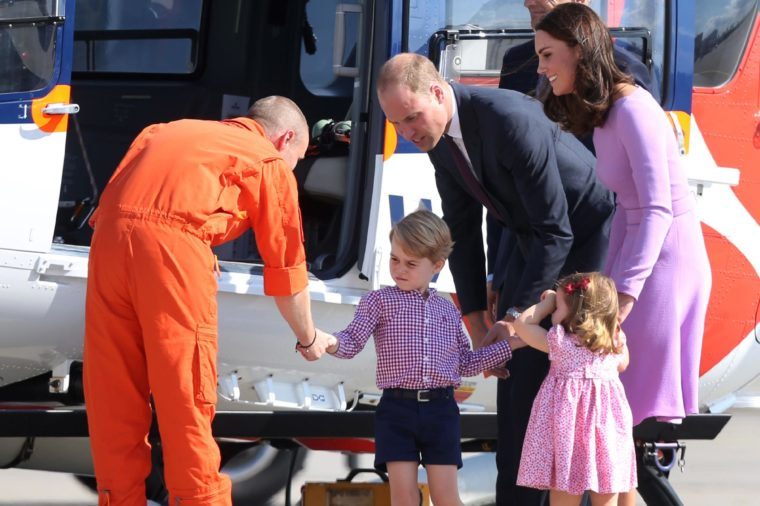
548	302
548	293
619	339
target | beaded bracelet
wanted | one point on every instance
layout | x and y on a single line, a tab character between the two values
302	347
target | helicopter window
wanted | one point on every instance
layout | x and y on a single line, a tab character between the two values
137	36
27	44
317	51
481	59
722	32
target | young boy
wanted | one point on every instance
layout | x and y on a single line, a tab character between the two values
422	353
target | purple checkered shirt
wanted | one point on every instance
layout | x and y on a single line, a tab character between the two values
420	342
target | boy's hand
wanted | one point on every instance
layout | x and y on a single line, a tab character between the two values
332	345
515	342
500	372
500	331
322	341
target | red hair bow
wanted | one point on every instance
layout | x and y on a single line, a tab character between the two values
581	285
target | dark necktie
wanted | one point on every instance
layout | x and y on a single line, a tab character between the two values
476	189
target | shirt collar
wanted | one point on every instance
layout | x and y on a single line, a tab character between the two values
245	123
455	128
431	291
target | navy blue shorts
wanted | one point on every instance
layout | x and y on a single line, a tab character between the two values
425	432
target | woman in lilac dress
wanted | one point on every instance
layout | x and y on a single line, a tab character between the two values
657	254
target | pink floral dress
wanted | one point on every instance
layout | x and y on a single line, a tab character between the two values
580	432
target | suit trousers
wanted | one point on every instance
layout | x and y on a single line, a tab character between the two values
529	367
151	329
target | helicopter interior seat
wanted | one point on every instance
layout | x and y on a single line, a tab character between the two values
321	178
322	174
326	180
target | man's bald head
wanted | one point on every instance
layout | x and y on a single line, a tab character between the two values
411	70
284	125
277	115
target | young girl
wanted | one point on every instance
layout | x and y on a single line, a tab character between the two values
579	434
422	353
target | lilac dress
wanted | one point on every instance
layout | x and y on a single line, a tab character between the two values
579	433
657	254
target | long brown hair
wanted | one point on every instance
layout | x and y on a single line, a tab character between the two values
593	310
596	75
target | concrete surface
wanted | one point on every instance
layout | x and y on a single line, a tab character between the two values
724	471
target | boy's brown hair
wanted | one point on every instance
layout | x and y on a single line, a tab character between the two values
593	310
424	235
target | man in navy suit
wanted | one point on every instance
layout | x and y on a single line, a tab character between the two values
496	149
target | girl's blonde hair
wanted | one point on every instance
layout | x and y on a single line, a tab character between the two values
593	310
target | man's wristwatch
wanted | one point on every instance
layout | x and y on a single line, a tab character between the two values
513	312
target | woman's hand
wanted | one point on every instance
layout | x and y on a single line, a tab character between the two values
625	303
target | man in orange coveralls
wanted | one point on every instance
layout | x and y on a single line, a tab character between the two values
151	312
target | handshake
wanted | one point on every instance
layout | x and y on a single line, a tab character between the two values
321	343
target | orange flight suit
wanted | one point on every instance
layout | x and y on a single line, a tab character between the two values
151	313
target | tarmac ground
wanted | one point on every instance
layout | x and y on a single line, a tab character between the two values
723	471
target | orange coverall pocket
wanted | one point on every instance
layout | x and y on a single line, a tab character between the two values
206	347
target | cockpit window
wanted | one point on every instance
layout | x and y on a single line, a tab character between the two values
27	44
722	32
317	52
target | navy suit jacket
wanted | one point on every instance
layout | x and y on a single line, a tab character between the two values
541	181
